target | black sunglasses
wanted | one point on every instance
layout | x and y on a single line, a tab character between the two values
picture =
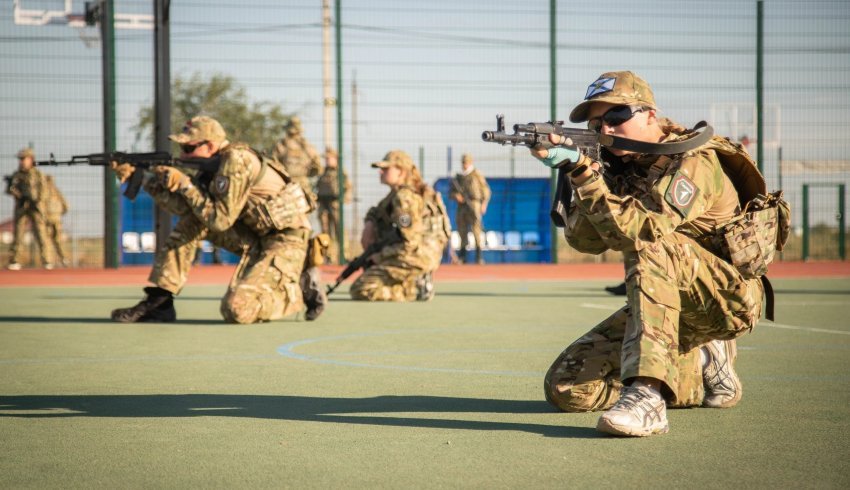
614	116
189	148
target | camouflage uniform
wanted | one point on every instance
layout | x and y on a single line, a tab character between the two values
470	190
298	156
398	218
28	189
327	191
250	208
663	213
436	228
55	207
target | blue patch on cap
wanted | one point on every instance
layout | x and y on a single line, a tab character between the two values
600	86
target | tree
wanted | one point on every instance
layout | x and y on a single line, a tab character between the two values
259	124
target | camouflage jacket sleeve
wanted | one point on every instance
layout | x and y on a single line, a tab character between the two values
406	215
581	235
687	188
219	206
315	167
455	188
31	187
14	185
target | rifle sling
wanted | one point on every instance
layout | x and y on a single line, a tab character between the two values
672	148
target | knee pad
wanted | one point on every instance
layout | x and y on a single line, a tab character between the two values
240	308
585	397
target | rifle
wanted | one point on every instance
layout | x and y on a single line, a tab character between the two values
537	135
361	262
144	161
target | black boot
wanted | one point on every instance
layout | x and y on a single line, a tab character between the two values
461	255
157	307
479	259
314	296
617	290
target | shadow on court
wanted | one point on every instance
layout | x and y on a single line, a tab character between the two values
302	408
46	320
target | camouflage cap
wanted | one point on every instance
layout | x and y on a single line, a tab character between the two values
200	128
615	87
395	158
294	122
26	152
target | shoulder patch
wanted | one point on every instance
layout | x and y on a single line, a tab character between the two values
220	184
682	193
405	220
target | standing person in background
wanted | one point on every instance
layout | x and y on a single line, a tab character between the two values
298	156
470	190
27	187
55	207
327	190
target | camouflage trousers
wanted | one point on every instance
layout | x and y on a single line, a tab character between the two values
39	233
392	281
53	229
468	218
328	212
265	285
680	296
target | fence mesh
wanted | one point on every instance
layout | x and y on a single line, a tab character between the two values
431	76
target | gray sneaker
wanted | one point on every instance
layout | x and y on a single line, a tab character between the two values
425	287
722	387
639	412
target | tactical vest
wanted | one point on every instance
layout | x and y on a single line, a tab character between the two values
435	222
751	239
285	210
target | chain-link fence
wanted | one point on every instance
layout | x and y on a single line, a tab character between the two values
428	77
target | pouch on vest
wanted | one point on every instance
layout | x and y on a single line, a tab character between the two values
285	210
752	238
436	220
317	249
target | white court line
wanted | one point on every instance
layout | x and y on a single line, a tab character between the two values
806	329
761	324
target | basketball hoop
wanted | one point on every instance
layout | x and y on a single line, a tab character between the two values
66	16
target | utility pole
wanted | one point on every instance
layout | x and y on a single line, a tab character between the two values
327	96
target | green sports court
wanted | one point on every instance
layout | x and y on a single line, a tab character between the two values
443	394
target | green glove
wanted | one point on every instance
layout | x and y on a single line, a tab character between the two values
560	156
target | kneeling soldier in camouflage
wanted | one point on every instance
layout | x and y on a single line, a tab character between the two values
673	343
250	207
412	235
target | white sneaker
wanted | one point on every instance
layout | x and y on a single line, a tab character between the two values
639	412
722	387
14	266
48	266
